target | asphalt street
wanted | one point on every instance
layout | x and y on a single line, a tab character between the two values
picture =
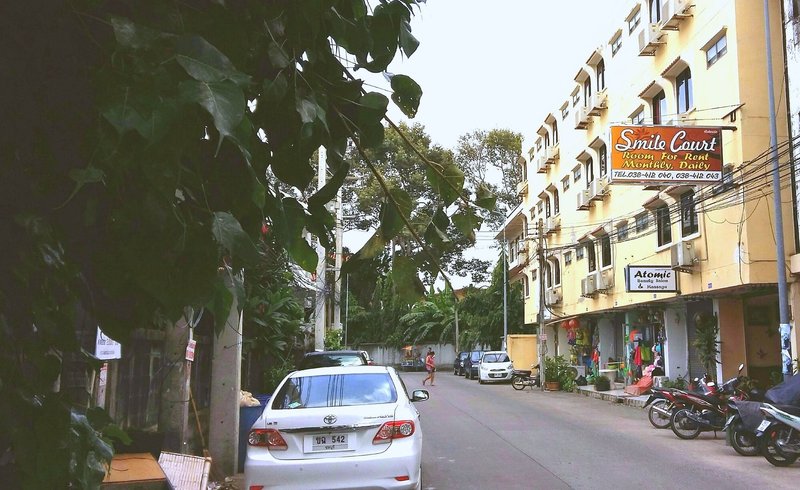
491	436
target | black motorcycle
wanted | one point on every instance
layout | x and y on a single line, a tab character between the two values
520	378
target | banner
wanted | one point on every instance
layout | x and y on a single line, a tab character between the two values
666	154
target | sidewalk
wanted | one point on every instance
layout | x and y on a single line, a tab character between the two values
617	395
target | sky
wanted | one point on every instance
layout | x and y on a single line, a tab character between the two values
496	64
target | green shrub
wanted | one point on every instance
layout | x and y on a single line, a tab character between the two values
602	384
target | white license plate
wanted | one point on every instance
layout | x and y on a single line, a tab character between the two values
763	425
321	443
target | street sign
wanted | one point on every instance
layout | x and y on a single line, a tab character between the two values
650	279
106	348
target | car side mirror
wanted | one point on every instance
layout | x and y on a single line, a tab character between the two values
420	395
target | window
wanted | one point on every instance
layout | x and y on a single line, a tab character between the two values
564	112
555	132
622	232
601	75
616	44
638	118
556	273
567	258
555	201
548	276
683	87
589	164
576	97
664	226
526	286
659	107
546	140
642	222
546	207
689	224
591	256
540	207
320	391
576	173
634	20
534	275
716	50
605	251
565	183
579	252
655	11
587	91
603	154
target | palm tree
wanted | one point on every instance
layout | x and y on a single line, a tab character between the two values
433	318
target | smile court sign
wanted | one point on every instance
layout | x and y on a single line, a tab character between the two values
666	154
650	279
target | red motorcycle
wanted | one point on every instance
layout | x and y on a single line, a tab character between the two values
706	411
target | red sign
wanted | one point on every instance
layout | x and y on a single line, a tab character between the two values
666	154
190	350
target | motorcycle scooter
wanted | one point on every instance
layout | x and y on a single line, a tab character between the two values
520	378
706	412
779	434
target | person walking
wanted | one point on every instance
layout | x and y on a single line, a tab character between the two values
430	366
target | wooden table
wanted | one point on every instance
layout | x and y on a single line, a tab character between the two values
135	471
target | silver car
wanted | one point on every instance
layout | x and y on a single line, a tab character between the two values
338	427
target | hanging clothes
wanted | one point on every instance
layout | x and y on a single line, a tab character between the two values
637	356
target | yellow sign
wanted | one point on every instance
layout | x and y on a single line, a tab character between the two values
666	154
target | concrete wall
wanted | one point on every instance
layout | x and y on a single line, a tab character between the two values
391	356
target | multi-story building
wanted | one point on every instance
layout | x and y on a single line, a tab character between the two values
583	225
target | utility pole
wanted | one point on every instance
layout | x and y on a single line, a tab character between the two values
455	311
542	343
505	290
346	304
785	327
337	282
319	306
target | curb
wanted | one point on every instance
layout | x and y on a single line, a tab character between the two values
631	401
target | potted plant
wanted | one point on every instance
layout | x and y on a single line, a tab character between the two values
554	368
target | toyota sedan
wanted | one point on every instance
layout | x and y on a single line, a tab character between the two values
337	427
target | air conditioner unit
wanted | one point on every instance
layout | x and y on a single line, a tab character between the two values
673	12
552	154
588	286
605	279
682	255
553	223
583	200
552	297
581	117
598	102
650	37
593	190
602	186
541	164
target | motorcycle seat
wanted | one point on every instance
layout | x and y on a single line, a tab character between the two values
710	399
790	409
521	372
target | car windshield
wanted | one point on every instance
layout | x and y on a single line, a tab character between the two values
328	360
475	356
335	390
496	357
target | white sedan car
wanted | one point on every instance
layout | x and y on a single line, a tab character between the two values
337	427
495	366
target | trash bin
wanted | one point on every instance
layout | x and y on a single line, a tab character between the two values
248	416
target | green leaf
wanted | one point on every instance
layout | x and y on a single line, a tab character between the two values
229	234
408	286
329	190
368	251
485	198
407	40
278	56
275	90
467	222
205	63
449	183
83	176
407	94
307	110
131	35
434	235
220	304
397	205
223	100
303	254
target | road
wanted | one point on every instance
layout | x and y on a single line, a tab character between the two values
493	437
